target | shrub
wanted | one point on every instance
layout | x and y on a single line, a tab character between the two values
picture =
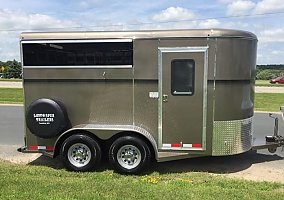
268	74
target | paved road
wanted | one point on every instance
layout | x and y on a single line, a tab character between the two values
10	84
269	89
11	125
259	165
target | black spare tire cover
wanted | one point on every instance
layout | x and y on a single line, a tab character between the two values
46	118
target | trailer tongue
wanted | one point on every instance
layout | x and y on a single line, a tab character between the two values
273	141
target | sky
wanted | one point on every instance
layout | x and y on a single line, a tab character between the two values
265	18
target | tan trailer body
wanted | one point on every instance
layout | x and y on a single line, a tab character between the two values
187	93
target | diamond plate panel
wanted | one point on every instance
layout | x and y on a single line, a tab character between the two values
232	137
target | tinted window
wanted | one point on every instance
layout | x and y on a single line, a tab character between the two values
182	73
66	54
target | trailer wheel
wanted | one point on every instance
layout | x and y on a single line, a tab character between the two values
81	153
272	149
129	155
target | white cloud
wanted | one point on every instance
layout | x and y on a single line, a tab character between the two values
10	20
85	4
278	52
269	55
9	46
226	1
174	13
12	23
192	24
270	46
269	36
240	7
244	7
210	23
268	6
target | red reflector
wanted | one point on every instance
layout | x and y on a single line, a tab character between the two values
32	148
41	148
50	148
196	145
176	145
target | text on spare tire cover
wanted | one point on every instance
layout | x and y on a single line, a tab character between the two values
44	119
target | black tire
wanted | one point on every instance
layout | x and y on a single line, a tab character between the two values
137	152
81	153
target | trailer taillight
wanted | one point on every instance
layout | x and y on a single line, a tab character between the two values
35	148
180	145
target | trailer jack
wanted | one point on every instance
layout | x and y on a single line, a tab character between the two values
273	141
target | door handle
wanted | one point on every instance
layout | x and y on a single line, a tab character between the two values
165	98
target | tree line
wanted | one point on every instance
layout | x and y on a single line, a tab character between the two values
10	69
267	72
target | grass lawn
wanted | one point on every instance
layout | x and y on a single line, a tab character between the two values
268	101
265	83
40	182
11	95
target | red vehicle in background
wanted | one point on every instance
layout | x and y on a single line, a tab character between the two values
279	79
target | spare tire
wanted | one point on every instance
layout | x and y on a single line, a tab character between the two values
46	118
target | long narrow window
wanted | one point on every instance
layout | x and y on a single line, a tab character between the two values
182	73
77	54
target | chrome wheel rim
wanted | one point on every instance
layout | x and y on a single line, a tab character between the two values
129	156
79	155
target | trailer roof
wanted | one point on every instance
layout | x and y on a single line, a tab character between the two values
188	33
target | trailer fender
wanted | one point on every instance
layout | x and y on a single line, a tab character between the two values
105	132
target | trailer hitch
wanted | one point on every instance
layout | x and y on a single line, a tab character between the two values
275	140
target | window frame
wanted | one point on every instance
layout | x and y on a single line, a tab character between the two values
75	66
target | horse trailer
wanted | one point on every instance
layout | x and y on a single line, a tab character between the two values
137	97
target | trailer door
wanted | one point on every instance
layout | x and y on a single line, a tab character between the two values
182	98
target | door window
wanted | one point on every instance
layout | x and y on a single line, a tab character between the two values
182	77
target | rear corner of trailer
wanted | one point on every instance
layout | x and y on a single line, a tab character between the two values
235	66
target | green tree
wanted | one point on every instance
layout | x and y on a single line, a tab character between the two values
267	72
13	69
